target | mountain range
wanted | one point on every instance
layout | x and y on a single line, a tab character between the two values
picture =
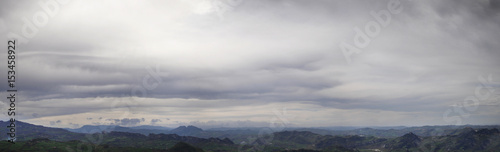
191	138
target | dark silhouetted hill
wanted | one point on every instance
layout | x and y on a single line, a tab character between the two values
186	131
184	147
26	131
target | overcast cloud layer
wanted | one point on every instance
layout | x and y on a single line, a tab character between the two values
235	66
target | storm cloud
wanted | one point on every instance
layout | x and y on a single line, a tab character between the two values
136	61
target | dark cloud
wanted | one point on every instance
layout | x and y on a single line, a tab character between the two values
262	53
154	121
52	123
126	121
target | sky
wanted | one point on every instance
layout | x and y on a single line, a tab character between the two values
253	63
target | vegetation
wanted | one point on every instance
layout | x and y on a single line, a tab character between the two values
464	138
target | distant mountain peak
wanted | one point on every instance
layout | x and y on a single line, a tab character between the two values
409	140
411	137
190	127
189	130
